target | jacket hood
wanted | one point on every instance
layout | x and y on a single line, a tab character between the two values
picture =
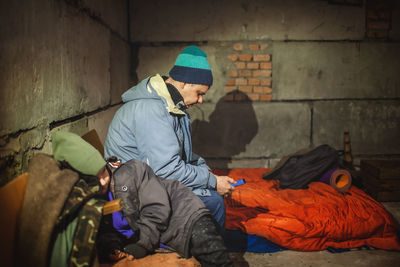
138	92
152	88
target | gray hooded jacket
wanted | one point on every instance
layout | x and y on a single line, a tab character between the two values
150	128
159	210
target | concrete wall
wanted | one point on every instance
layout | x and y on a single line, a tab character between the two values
192	20
63	65
329	66
327	76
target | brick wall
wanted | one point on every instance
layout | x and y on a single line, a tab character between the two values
378	19
250	73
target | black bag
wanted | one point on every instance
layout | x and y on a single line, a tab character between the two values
299	169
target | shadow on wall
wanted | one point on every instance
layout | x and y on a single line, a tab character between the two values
232	125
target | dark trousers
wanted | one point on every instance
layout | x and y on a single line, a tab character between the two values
207	245
215	203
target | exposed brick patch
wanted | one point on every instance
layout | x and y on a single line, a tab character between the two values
250	80
245	73
254	47
233	73
263	73
231	82
240	97
238	47
267	97
378	18
378	25
266	82
253	65
245	57
258	89
246	88
262	57
228	89
254	97
241	81
262	89
254	81
240	65
229	97
265	65
233	57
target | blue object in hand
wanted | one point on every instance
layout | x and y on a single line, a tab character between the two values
239	182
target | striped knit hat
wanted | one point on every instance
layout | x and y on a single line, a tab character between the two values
191	66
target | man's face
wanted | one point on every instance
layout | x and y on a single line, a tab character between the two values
193	93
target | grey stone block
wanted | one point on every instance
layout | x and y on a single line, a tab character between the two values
237	20
250	130
236	163
113	13
120	63
374	126
394	32
303	70
80	127
57	65
153	60
101	121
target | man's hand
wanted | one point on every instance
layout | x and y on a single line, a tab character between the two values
117	255
223	186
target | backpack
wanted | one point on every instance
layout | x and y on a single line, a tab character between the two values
296	171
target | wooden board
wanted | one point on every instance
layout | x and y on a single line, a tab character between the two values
381	185
11	199
381	169
112	206
384	196
93	138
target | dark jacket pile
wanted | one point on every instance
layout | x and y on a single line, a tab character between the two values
159	210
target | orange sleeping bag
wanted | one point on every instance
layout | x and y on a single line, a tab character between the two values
308	219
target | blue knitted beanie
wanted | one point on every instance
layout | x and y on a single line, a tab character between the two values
191	66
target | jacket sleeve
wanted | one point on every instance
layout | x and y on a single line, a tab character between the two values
160	147
198	161
148	207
